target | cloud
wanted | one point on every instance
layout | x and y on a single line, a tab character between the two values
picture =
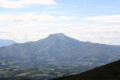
33	17
103	18
32	31
99	31
26	17
112	20
67	17
52	7
24	3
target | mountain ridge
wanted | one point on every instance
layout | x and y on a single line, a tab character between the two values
59	49
5	42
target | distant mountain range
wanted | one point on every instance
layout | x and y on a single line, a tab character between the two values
107	72
58	49
6	42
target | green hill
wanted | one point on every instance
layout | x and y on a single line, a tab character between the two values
107	72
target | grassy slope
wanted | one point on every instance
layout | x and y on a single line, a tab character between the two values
107	72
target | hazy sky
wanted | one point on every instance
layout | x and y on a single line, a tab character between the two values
85	20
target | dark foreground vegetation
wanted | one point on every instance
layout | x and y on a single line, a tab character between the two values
107	72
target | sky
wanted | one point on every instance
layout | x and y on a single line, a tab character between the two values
96	21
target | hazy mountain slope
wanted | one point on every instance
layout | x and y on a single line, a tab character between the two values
92	52
107	72
59	49
6	42
42	51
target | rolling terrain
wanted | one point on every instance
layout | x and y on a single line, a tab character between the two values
39	73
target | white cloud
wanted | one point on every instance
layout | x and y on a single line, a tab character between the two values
82	31
24	3
67	17
103	18
94	31
51	7
30	26
35	17
109	21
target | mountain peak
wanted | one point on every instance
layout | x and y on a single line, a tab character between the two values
60	35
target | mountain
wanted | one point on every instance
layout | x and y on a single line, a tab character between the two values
6	42
107	72
58	49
